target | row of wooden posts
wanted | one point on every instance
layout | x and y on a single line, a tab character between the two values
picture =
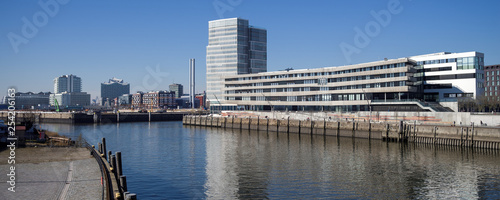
399	132
118	180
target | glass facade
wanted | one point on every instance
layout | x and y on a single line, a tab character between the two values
233	48
67	83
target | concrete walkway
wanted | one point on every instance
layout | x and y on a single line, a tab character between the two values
52	173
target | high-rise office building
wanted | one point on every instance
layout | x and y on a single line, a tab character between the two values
233	48
68	92
67	83
112	89
177	88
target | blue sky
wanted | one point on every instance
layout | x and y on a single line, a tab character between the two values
149	43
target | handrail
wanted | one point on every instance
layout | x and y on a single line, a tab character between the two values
111	171
104	172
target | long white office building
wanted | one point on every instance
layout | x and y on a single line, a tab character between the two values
430	82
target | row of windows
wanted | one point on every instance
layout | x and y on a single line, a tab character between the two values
491	94
224	65
238	42
320	81
228	22
491	88
470	63
211	30
210	61
437	86
492	78
436	69
321	73
492	83
223	32
326	97
492	73
307	89
220	48
455	95
430	62
462	63
449	76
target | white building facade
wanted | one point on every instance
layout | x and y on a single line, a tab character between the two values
448	76
418	83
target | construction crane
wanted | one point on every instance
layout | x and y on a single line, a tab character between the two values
56	104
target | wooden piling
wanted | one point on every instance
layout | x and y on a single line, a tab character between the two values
104	148
119	171
109	157
113	163
338	129
123	183
99	148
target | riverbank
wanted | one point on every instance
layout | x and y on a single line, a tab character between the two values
52	173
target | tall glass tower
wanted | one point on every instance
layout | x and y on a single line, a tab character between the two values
233	48
67	83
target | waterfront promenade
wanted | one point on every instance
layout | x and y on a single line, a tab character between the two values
52	173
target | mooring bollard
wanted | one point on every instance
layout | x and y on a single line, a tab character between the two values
123	183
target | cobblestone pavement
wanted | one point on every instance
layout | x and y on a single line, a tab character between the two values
42	173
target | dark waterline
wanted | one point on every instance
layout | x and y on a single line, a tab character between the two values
166	160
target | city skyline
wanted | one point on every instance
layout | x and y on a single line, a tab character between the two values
150	44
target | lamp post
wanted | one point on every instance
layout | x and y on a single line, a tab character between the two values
369	106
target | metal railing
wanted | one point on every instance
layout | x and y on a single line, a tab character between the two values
108	187
111	172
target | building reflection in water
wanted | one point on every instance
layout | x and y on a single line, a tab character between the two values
251	164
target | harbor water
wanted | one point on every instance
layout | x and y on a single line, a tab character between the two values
166	160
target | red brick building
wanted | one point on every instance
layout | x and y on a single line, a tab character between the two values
492	82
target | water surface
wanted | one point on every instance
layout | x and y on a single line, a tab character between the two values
166	160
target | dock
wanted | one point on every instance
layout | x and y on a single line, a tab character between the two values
94	117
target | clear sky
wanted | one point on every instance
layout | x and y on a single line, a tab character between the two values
149	43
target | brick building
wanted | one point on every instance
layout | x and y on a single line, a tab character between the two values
492	82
